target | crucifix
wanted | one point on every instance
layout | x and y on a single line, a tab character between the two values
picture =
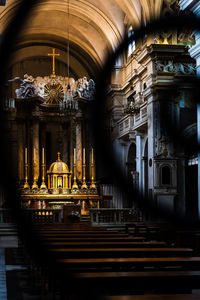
53	56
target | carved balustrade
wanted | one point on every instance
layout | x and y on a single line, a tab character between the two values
113	215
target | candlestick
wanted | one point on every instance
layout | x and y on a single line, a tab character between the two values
42	155
34	155
84	185
92	155
75	185
92	186
43	185
26	185
26	156
34	185
84	156
74	155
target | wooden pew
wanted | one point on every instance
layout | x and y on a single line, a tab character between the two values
91	239
117	282
103	244
140	282
130	263
153	297
82	235
53	229
61	232
118	252
139	265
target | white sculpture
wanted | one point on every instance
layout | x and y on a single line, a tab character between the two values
27	88
178	68
31	87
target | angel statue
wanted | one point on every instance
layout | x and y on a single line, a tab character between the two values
26	89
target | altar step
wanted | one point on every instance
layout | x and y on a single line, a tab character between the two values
8	235
85	218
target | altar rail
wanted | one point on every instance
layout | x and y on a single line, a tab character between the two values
113	215
34	215
44	216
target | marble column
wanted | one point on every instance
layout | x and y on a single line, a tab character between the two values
151	144
20	146
79	149
36	152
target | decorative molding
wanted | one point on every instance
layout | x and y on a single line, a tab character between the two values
178	68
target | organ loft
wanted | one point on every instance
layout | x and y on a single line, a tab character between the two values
55	154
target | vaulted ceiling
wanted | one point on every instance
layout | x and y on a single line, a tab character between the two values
96	28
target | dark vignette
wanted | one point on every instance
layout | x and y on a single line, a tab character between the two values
103	147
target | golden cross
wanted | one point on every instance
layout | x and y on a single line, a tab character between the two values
53	56
58	156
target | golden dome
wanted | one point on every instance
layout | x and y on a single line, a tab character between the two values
59	166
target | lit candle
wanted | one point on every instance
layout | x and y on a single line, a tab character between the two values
74	155
42	155
34	155
92	155
26	160
84	156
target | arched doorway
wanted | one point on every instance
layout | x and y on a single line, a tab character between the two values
145	186
131	165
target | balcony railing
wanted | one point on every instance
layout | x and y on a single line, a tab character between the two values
131	122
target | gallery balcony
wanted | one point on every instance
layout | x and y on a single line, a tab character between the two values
132	121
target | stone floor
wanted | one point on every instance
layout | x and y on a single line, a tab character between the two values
3	288
16	279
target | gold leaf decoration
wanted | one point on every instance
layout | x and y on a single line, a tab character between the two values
53	94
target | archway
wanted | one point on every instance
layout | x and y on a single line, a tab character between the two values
145	186
131	164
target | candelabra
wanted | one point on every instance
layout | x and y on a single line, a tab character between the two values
75	185
43	185
34	186
93	185
84	185
26	185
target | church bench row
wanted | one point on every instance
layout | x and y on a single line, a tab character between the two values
95	261
156	263
154	297
103	244
83	235
118	252
92	239
70	228
117	282
61	232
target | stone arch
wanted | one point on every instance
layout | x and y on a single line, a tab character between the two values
145	158
131	161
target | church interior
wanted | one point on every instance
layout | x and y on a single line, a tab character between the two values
100	127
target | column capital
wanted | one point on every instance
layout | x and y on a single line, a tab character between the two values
139	133
132	136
